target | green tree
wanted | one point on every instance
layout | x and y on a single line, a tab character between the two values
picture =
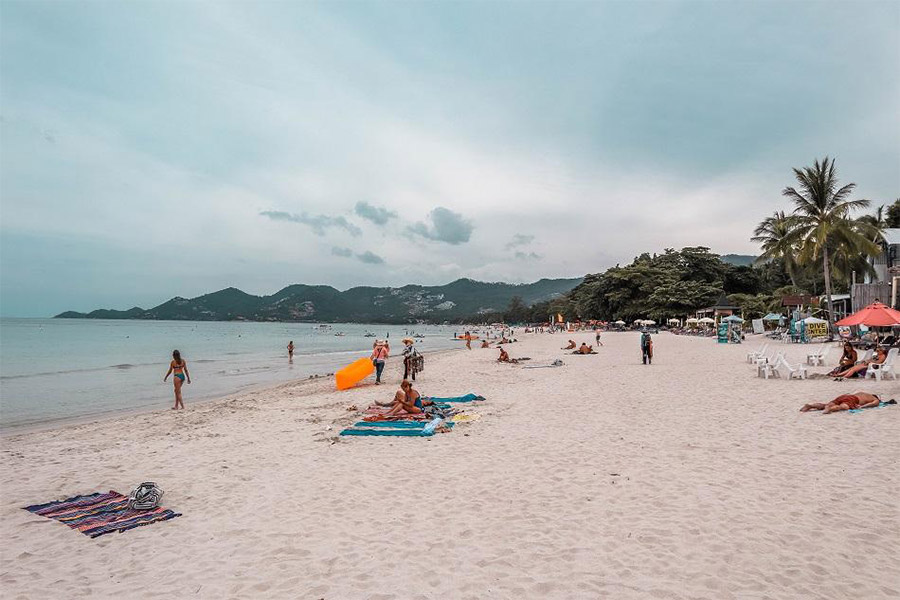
892	219
778	239
822	215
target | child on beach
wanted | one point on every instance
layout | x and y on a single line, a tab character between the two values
290	349
178	366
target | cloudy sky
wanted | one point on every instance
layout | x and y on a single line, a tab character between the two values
156	149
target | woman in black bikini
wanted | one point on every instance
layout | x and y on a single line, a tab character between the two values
178	366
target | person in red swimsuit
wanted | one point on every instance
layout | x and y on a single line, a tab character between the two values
844	402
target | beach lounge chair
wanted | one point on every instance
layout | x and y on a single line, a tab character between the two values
817	357
764	359
767	369
754	354
867	356
888	367
784	370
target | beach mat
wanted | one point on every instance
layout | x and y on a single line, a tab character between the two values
880	405
98	514
387	432
466	398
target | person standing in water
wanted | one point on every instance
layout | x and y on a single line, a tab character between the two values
178	368
291	351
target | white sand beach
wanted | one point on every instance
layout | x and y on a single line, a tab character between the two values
604	478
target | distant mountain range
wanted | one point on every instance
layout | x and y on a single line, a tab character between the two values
462	298
738	260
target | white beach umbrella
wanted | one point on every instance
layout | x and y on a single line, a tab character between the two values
620	322
692	321
674	321
706	320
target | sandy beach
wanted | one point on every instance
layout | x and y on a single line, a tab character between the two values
603	478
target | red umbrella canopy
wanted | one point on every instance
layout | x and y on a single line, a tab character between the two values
874	315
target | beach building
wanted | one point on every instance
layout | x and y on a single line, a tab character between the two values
722	308
884	285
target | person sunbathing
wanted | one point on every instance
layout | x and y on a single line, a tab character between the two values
860	369
585	349
504	357
406	401
572	345
845	402
848	359
485	344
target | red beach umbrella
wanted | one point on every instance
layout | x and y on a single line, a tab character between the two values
874	315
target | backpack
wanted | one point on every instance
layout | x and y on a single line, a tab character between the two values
145	496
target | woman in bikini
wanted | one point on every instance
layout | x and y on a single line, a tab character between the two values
178	368
407	401
860	369
848	359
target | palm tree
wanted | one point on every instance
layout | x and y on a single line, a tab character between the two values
822	218
776	235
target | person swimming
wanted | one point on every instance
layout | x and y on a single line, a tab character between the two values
178	369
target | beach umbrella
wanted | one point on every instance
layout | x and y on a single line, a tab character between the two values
772	317
675	321
733	319
706	320
620	322
649	322
812	320
692	321
874	315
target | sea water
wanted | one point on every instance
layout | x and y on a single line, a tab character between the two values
61	369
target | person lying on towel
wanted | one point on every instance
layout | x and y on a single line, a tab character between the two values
572	345
406	401
844	402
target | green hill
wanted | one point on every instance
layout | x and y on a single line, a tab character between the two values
463	297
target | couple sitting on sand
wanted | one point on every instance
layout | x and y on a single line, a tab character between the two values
847	367
853	401
584	349
406	401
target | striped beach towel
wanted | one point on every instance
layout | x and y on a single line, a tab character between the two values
98	514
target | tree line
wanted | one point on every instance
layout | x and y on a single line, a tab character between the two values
812	249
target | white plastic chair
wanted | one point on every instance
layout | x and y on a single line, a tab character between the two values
866	357
767	369
763	359
784	370
817	356
888	367
754	354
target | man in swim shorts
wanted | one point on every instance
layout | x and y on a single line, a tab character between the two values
844	402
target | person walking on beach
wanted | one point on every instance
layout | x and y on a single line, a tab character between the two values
380	352
291	351
178	367
646	348
468	340
597	337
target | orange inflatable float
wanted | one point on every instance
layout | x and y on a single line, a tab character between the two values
353	373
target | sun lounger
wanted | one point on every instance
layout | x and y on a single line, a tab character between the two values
755	354
785	371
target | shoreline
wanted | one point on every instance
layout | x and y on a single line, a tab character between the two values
111	415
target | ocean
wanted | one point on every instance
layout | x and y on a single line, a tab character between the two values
64	369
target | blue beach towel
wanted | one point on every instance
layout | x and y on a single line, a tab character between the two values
389	432
880	405
466	398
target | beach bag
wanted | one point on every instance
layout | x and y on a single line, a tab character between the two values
145	496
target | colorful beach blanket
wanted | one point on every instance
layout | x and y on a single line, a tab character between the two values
98	514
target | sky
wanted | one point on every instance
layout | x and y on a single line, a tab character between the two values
154	149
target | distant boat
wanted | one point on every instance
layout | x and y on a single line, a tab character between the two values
369	334
339	334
